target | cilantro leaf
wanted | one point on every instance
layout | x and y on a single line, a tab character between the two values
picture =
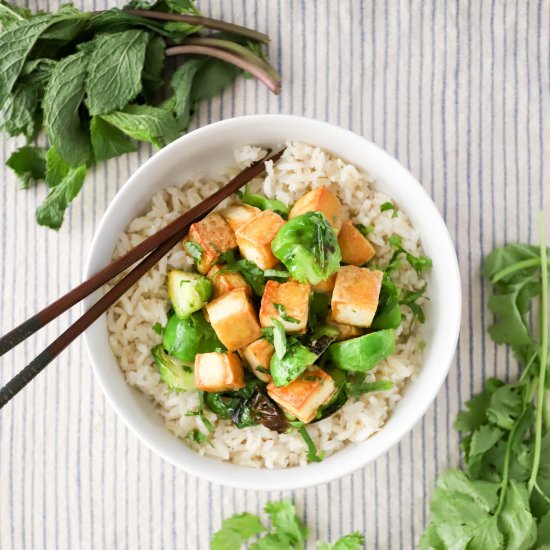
353	541
284	519
418	263
365	230
516	522
235	531
312	454
158	328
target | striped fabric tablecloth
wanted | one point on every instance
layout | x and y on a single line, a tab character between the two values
459	92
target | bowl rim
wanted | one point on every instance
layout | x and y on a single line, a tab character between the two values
349	458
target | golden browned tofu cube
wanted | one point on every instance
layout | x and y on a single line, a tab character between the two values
238	214
258	357
226	281
322	200
355	296
355	248
214	236
218	372
345	332
303	396
234	319
284	301
325	287
255	236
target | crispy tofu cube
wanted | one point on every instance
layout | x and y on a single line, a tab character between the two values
218	372
303	396
255	236
293	297
355	248
258	357
214	236
234	319
238	214
355	296
345	332
322	200
226	281
325	287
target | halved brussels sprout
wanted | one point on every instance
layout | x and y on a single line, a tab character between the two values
307	245
188	292
173	372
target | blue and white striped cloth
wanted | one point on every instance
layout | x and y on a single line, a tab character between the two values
459	92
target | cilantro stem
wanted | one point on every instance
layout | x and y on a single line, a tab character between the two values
543	356
207	22
518	266
259	72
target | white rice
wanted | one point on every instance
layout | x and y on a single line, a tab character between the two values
301	168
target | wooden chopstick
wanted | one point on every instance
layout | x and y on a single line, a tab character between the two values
43	317
163	245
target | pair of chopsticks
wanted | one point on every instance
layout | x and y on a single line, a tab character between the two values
152	248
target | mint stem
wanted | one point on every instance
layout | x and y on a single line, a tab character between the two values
203	22
543	357
229	57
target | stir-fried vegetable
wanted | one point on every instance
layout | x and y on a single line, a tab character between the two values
173	372
308	247
363	353
184	338
294	362
188	292
388	314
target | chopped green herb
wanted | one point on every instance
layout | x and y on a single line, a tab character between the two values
282	312
196	436
409	298
192	413
418	263
277	273
357	389
313	379
195	250
158	328
312	454
279	338
207	424
262	370
365	230
267	333
389	206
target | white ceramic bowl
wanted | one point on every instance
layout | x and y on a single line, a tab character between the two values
208	150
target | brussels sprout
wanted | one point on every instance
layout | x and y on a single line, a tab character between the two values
388	313
293	363
188	292
173	372
184	338
308	247
361	354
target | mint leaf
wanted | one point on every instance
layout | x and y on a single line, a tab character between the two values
15	45
65	182
180	104
212	78
19	114
235	531
285	521
10	14
152	67
108	141
145	123
543	534
114	70
29	165
62	99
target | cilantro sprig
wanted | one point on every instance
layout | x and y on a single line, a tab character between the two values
502	499
286	532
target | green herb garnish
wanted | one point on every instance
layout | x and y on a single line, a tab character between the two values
282	313
418	263
94	82
158	328
312	454
409	298
196	436
279	338
502	500
389	206
365	230
195	250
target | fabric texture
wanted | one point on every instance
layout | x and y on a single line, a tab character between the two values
459	92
